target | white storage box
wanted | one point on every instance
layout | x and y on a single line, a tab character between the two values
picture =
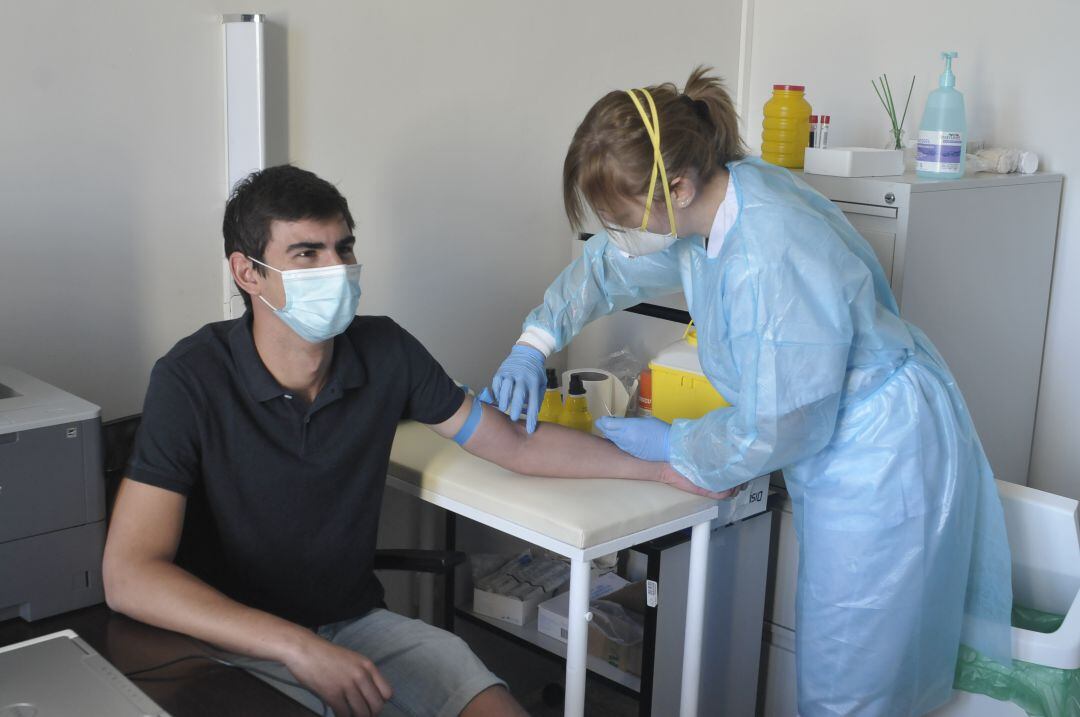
513	592
1044	537
552	615
854	162
503	607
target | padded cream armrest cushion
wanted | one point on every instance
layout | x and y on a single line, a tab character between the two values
581	513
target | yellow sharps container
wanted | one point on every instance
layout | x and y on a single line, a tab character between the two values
679	388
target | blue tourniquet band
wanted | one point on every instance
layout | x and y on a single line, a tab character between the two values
470	423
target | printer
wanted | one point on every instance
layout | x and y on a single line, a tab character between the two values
52	499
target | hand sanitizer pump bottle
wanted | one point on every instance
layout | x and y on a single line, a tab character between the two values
943	132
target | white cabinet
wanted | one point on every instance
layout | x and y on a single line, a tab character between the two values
970	262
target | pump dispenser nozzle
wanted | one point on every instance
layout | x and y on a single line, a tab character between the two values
552	406
943	130
948	79
575	412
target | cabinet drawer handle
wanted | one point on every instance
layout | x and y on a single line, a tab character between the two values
872	210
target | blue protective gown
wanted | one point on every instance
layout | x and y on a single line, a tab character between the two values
902	545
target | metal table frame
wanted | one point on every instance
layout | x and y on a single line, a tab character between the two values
580	557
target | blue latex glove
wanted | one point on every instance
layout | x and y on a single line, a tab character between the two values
644	438
521	376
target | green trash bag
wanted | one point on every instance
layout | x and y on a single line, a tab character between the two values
1039	690
1028	618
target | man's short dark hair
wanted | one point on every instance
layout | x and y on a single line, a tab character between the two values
285	193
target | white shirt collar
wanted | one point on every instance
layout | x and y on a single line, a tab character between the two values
725	219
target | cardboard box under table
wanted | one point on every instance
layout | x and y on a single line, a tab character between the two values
551	618
626	657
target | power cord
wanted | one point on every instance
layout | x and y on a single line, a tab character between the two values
135	674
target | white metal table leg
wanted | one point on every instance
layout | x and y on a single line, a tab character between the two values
695	619
577	638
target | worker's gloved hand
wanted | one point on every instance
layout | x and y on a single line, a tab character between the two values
521	377
644	438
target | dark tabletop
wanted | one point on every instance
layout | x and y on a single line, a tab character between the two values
199	688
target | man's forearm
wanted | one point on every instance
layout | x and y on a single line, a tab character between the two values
554	451
161	593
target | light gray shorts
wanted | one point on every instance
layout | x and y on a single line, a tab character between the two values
431	671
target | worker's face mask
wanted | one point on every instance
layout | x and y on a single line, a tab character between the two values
637	242
321	302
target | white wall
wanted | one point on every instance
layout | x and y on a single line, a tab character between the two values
444	124
1016	68
111	156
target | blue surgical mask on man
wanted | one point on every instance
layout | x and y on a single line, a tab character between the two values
320	302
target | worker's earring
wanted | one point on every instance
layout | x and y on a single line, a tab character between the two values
683	186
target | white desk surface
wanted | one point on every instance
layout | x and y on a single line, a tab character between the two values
579	513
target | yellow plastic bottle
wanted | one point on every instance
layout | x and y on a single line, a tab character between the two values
551	409
575	413
785	131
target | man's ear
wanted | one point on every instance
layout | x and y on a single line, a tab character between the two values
683	191
244	273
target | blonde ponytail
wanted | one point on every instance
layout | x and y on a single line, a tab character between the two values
610	157
714	104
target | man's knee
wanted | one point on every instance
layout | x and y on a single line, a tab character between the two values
494	700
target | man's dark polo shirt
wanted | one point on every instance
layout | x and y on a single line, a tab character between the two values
283	498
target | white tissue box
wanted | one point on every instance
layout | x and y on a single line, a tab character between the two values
503	607
854	162
512	592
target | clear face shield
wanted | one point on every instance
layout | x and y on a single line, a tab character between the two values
638	242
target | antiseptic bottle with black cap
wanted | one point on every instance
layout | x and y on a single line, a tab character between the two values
575	413
551	409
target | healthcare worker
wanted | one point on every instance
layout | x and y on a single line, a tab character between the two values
902	546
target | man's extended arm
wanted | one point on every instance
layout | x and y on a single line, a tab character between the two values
557	452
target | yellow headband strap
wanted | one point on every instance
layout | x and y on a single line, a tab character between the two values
653	129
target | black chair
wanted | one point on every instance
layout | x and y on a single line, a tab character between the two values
119	437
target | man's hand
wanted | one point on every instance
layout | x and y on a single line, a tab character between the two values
674	478
348	682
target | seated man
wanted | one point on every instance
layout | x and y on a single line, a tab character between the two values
249	513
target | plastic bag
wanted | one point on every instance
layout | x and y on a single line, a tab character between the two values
1039	690
1003	161
626	367
1028	618
617	623
526	577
